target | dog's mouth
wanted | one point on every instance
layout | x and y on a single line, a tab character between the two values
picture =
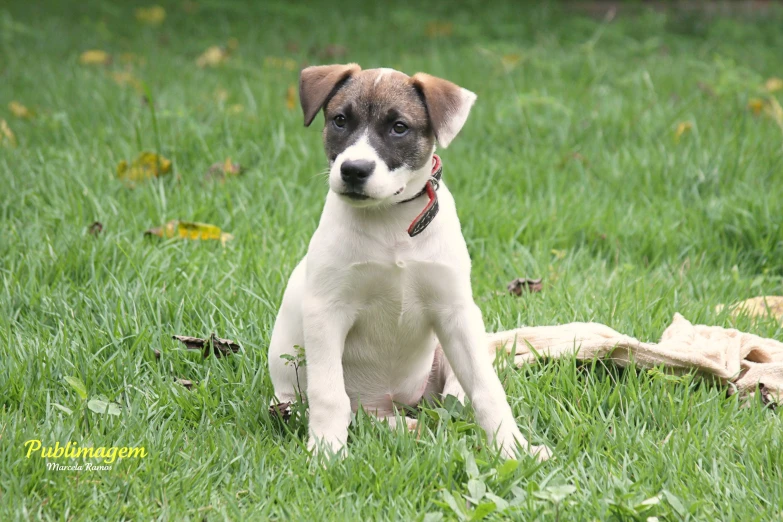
356	196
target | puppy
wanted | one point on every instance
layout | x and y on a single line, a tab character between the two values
386	278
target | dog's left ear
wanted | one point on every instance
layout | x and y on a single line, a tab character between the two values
448	105
318	83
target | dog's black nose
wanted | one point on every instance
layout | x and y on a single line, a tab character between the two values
356	172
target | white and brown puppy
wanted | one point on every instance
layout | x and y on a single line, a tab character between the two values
384	282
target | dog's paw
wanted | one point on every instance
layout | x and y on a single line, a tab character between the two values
326	447
541	453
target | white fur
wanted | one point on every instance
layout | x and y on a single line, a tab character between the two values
384	186
370	305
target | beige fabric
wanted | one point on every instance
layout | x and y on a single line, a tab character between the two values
736	358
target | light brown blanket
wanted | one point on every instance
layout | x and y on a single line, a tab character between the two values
742	361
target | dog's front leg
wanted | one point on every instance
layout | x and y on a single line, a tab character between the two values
325	329
460	330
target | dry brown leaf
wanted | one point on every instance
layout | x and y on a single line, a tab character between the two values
682	128
215	345
132	59
96	228
435	29
19	110
153	15
186	383
518	285
223	170
773	84
290	97
146	165
95	57
189	230
282	410
7	136
763	306
329	52
756	105
123	78
280	63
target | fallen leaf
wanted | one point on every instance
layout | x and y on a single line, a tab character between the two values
682	128
434	29
95	57
153	15
19	110
237	108
145	166
756	105
96	228
763	306
189	230
280	63
510	61
518	285
102	406
186	383
132	59
223	170
123	78
282	410
290	97
7	136
773	84
329	52
707	89
220	347
216	54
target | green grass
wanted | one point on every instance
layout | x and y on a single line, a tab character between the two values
572	149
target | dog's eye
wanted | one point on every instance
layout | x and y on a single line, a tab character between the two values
339	121
399	128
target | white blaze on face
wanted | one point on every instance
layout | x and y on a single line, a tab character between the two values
382	185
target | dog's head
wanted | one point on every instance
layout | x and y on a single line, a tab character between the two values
380	127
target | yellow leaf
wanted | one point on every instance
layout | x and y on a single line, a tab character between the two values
122	79
7	137
764	306
280	63
212	57
682	128
221	95
153	15
290	97
434	29
145	166
131	59
559	254
773	84
95	57
19	110
774	110
236	109
217	55
189	230
756	105
510	61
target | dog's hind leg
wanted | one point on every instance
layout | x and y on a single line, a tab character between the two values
286	361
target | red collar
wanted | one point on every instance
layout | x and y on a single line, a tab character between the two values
426	216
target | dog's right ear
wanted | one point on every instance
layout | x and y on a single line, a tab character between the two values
318	83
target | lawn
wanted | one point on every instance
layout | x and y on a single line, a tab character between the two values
634	164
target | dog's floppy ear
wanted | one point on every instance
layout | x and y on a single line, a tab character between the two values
448	105
317	83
